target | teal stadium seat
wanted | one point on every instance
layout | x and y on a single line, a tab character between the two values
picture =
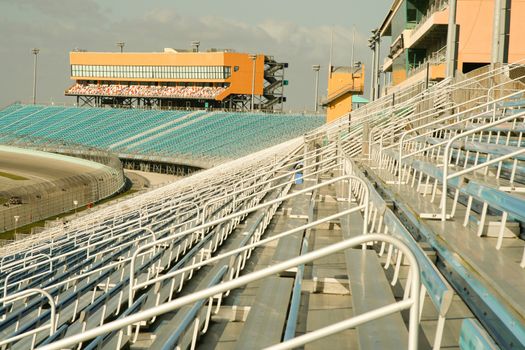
197	134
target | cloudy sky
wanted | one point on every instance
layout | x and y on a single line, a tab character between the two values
294	31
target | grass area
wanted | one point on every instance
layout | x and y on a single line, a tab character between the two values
12	176
27	228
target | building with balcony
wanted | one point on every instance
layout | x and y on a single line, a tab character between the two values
418	34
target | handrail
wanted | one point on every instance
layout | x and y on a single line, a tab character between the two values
52	321
453	87
127	243
258	184
94	228
6	285
123	225
153	235
85	248
301	156
16	263
166	190
295	303
428	94
446	156
423	115
439	121
224	219
411	303
260	243
111	265
491	89
227	195
157	212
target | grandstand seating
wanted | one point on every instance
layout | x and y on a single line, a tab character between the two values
217	136
405	205
202	92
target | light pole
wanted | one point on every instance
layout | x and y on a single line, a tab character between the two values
195	45
16	217
352	63
372	46
75	203
35	52
451	39
253	58
316	68
121	45
378	53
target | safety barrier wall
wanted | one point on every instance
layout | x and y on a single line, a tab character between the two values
46	199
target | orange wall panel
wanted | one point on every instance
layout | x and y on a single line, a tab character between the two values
438	72
340	107
241	81
398	76
338	83
517	31
475	30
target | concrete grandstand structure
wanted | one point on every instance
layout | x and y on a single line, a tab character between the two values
178	79
46	184
191	139
397	226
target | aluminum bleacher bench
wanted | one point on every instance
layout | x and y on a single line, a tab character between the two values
266	320
438	289
256	223
370	290
76	300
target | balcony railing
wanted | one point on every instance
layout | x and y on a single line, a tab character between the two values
435	6
435	58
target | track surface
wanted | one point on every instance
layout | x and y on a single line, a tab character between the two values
36	169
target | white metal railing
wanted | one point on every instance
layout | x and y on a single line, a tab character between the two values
490	94
147	247
155	195
17	271
410	303
157	212
434	6
90	246
488	162
450	88
109	229
437	57
52	318
445	85
442	126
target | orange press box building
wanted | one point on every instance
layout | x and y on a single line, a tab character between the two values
178	79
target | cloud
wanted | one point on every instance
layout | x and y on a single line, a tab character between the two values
78	11
57	27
